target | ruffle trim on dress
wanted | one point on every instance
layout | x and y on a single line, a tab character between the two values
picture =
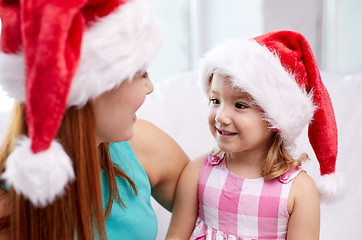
204	232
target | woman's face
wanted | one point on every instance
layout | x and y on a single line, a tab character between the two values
115	110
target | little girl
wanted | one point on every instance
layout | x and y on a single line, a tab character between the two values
262	93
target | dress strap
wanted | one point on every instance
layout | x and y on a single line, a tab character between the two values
215	159
290	175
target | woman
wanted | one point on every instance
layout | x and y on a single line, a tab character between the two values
82	66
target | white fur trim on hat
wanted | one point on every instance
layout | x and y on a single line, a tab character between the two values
114	48
40	177
254	69
331	187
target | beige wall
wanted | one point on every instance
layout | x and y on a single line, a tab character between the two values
304	16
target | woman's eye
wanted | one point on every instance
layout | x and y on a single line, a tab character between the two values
214	101
145	75
240	106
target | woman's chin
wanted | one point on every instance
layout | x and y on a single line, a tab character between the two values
123	136
126	135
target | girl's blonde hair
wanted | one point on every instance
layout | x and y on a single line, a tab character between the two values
79	211
279	159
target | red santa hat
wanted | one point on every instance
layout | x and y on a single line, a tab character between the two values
279	71
61	53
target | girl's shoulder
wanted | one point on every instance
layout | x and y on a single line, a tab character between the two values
303	183
193	168
303	190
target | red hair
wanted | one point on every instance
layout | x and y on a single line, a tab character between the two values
79	211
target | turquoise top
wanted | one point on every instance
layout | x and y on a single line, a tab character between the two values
138	220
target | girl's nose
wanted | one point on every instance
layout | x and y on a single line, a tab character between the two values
222	116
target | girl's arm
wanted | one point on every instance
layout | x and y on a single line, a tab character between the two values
186	203
304	222
162	159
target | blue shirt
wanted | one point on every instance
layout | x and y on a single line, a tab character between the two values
138	220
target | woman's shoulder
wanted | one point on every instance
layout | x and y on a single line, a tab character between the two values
152	145
161	157
150	141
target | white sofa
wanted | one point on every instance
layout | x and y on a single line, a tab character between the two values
179	107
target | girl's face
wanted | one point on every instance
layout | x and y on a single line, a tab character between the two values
235	122
115	110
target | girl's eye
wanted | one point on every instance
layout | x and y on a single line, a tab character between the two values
214	101
240	106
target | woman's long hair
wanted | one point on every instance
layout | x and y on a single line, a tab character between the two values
79	211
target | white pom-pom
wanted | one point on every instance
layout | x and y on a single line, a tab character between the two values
331	187
40	177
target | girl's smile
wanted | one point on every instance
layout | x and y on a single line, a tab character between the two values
224	134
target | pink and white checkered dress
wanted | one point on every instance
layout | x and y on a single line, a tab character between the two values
232	207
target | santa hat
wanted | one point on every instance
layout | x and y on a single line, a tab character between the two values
61	53
279	71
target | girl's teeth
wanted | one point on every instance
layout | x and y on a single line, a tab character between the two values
223	133
228	133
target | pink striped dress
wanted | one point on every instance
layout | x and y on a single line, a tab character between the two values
232	207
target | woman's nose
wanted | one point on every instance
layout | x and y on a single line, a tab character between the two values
149	86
